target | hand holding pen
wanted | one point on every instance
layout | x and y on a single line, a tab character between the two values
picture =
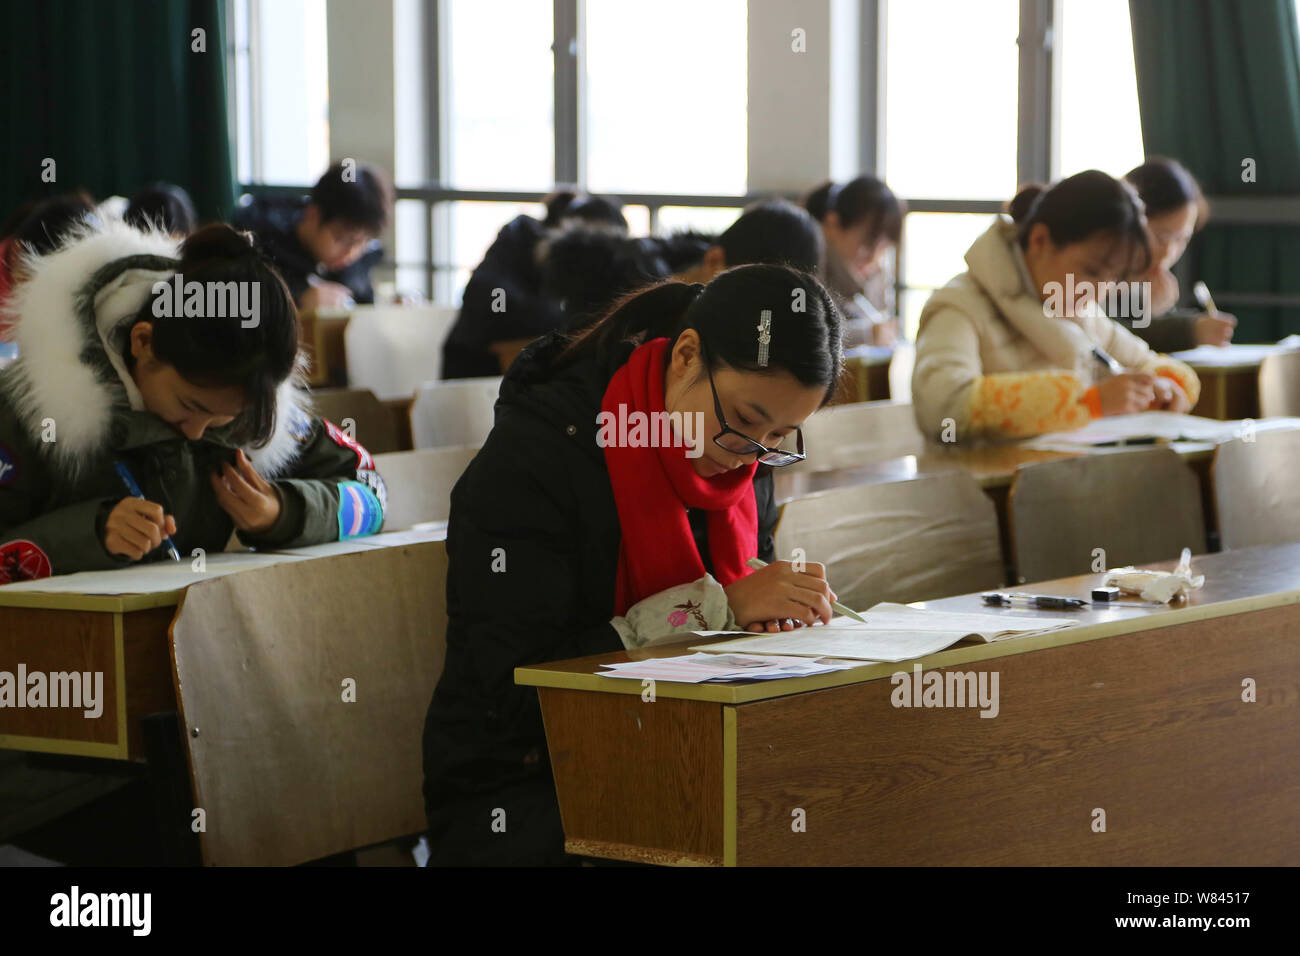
136	526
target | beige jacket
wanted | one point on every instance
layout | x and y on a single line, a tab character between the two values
991	362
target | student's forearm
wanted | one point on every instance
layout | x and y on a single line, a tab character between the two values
1021	404
67	537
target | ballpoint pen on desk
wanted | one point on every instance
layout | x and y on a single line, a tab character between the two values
1045	602
134	489
757	563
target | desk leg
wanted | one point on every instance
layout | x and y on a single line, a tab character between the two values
169	779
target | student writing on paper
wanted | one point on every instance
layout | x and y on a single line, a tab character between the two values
861	220
325	245
1176	210
575	531
1008	348
193	395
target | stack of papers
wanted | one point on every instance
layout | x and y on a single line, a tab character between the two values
892	632
698	668
1147	426
1229	355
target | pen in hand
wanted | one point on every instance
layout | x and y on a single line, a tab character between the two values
757	563
134	489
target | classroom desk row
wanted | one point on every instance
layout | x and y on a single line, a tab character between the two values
992	466
234	686
1139	737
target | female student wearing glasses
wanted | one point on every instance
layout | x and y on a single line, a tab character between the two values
575	532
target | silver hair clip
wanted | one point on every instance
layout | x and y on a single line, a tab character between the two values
764	336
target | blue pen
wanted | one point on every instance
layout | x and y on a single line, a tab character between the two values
134	489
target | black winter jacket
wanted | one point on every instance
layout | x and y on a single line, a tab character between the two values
536	501
519	310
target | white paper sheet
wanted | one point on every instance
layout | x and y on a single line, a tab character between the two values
154	578
892	632
1163	425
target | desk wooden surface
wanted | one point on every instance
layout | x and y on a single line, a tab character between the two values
992	466
1138	713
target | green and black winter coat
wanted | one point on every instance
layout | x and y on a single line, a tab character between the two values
69	410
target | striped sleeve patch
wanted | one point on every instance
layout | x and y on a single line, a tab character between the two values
360	513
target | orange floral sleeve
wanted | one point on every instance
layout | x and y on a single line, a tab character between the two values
1022	404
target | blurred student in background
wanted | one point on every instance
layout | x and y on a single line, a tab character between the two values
35	229
861	221
1003	352
325	244
163	206
503	299
1176	210
586	272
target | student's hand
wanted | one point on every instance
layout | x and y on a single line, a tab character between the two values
885	334
1170	396
135	527
1215	329
1128	393
326	295
778	591
251	500
773	627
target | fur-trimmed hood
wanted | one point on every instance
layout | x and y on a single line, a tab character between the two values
64	316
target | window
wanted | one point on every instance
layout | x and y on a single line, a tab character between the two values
934	250
951	86
711	220
1098	126
666	94
500	82
281	91
474	227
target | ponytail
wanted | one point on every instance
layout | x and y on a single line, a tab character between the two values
1080	207
650	313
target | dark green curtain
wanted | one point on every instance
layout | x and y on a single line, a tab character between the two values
114	94
1219	83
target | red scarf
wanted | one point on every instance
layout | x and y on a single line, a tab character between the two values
654	486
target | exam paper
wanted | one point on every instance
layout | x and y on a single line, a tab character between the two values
158	577
698	668
892	632
1169	426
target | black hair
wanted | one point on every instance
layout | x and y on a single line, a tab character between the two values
1165	185
357	194
51	220
164	206
216	351
1081	206
806	326
558	201
595	211
863	199
774	231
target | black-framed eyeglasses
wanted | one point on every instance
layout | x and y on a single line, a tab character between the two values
730	440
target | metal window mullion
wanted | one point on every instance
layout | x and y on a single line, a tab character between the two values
871	84
1034	115
567	48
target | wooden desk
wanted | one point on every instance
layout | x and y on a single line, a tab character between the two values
1137	712
124	637
865	377
1229	379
